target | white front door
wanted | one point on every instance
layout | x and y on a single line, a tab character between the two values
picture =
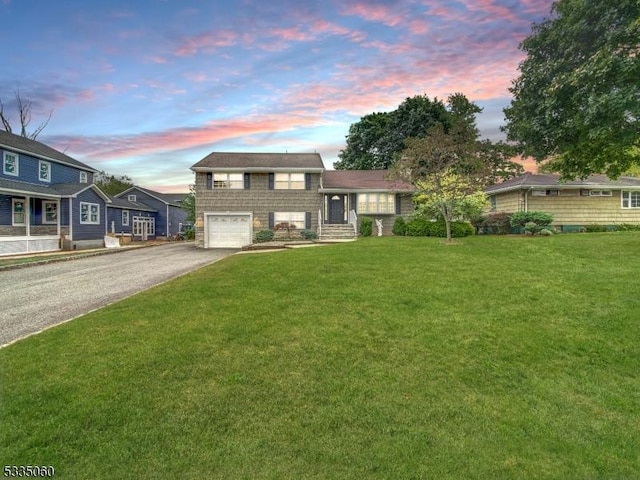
144	227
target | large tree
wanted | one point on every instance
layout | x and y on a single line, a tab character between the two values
374	142
112	184
576	102
23	108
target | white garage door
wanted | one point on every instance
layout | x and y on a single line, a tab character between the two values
228	230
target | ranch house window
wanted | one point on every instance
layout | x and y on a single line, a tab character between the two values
89	213
376	203
10	164
630	199
44	171
230	181
596	193
50	212
289	181
545	193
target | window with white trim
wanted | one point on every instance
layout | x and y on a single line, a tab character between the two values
89	213
44	171
494	202
10	164
630	199
289	181
545	193
49	212
125	218
292	219
18	212
132	198
596	193
376	203
84	177
230	181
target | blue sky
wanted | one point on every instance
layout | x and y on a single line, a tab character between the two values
148	88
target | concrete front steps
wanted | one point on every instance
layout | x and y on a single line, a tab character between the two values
337	233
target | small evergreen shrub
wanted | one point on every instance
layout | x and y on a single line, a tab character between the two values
417	227
520	219
498	223
308	234
545	232
594	228
399	227
264	236
627	227
366	226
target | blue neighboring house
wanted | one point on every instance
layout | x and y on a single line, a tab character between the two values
145	214
48	200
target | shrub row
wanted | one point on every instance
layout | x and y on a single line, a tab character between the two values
421	227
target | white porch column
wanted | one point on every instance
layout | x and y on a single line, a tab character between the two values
27	213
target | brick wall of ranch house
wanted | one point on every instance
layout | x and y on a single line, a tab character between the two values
570	208
258	199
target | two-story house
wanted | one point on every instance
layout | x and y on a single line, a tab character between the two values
239	194
47	199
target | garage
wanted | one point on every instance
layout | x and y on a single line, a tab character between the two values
227	230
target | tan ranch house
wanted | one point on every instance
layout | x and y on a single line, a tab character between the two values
574	204
240	194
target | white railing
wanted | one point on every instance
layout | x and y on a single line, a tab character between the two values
353	220
319	223
20	245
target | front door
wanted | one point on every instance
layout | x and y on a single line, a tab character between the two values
337	207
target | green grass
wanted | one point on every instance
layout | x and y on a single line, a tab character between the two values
496	357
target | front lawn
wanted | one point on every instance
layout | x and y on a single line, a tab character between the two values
496	357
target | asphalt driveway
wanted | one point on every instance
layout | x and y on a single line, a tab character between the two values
40	296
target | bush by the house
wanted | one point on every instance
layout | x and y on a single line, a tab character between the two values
627	227
264	236
308	234
421	227
366	226
498	223
399	227
545	232
594	228
539	220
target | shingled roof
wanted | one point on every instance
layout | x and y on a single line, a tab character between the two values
256	162
360	180
37	149
531	180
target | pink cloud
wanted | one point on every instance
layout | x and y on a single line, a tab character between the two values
374	13
206	42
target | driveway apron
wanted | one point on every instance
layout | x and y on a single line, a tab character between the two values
38	297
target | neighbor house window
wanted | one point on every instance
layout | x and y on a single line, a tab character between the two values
376	203
599	193
630	199
132	198
289	181
231	181
50	212
18	212
10	164
494	202
125	218
545	193
44	171
89	213
292	219
84	178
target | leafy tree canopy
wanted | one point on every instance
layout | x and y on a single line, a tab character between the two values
577	99
189	204
112	184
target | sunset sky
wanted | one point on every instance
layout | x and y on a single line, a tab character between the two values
147	88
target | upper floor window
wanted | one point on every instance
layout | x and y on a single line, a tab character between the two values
289	181
132	198
10	164
376	203
89	213
44	171
84	178
233	181
630	199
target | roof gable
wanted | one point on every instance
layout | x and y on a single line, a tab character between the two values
173	199
248	162
40	150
